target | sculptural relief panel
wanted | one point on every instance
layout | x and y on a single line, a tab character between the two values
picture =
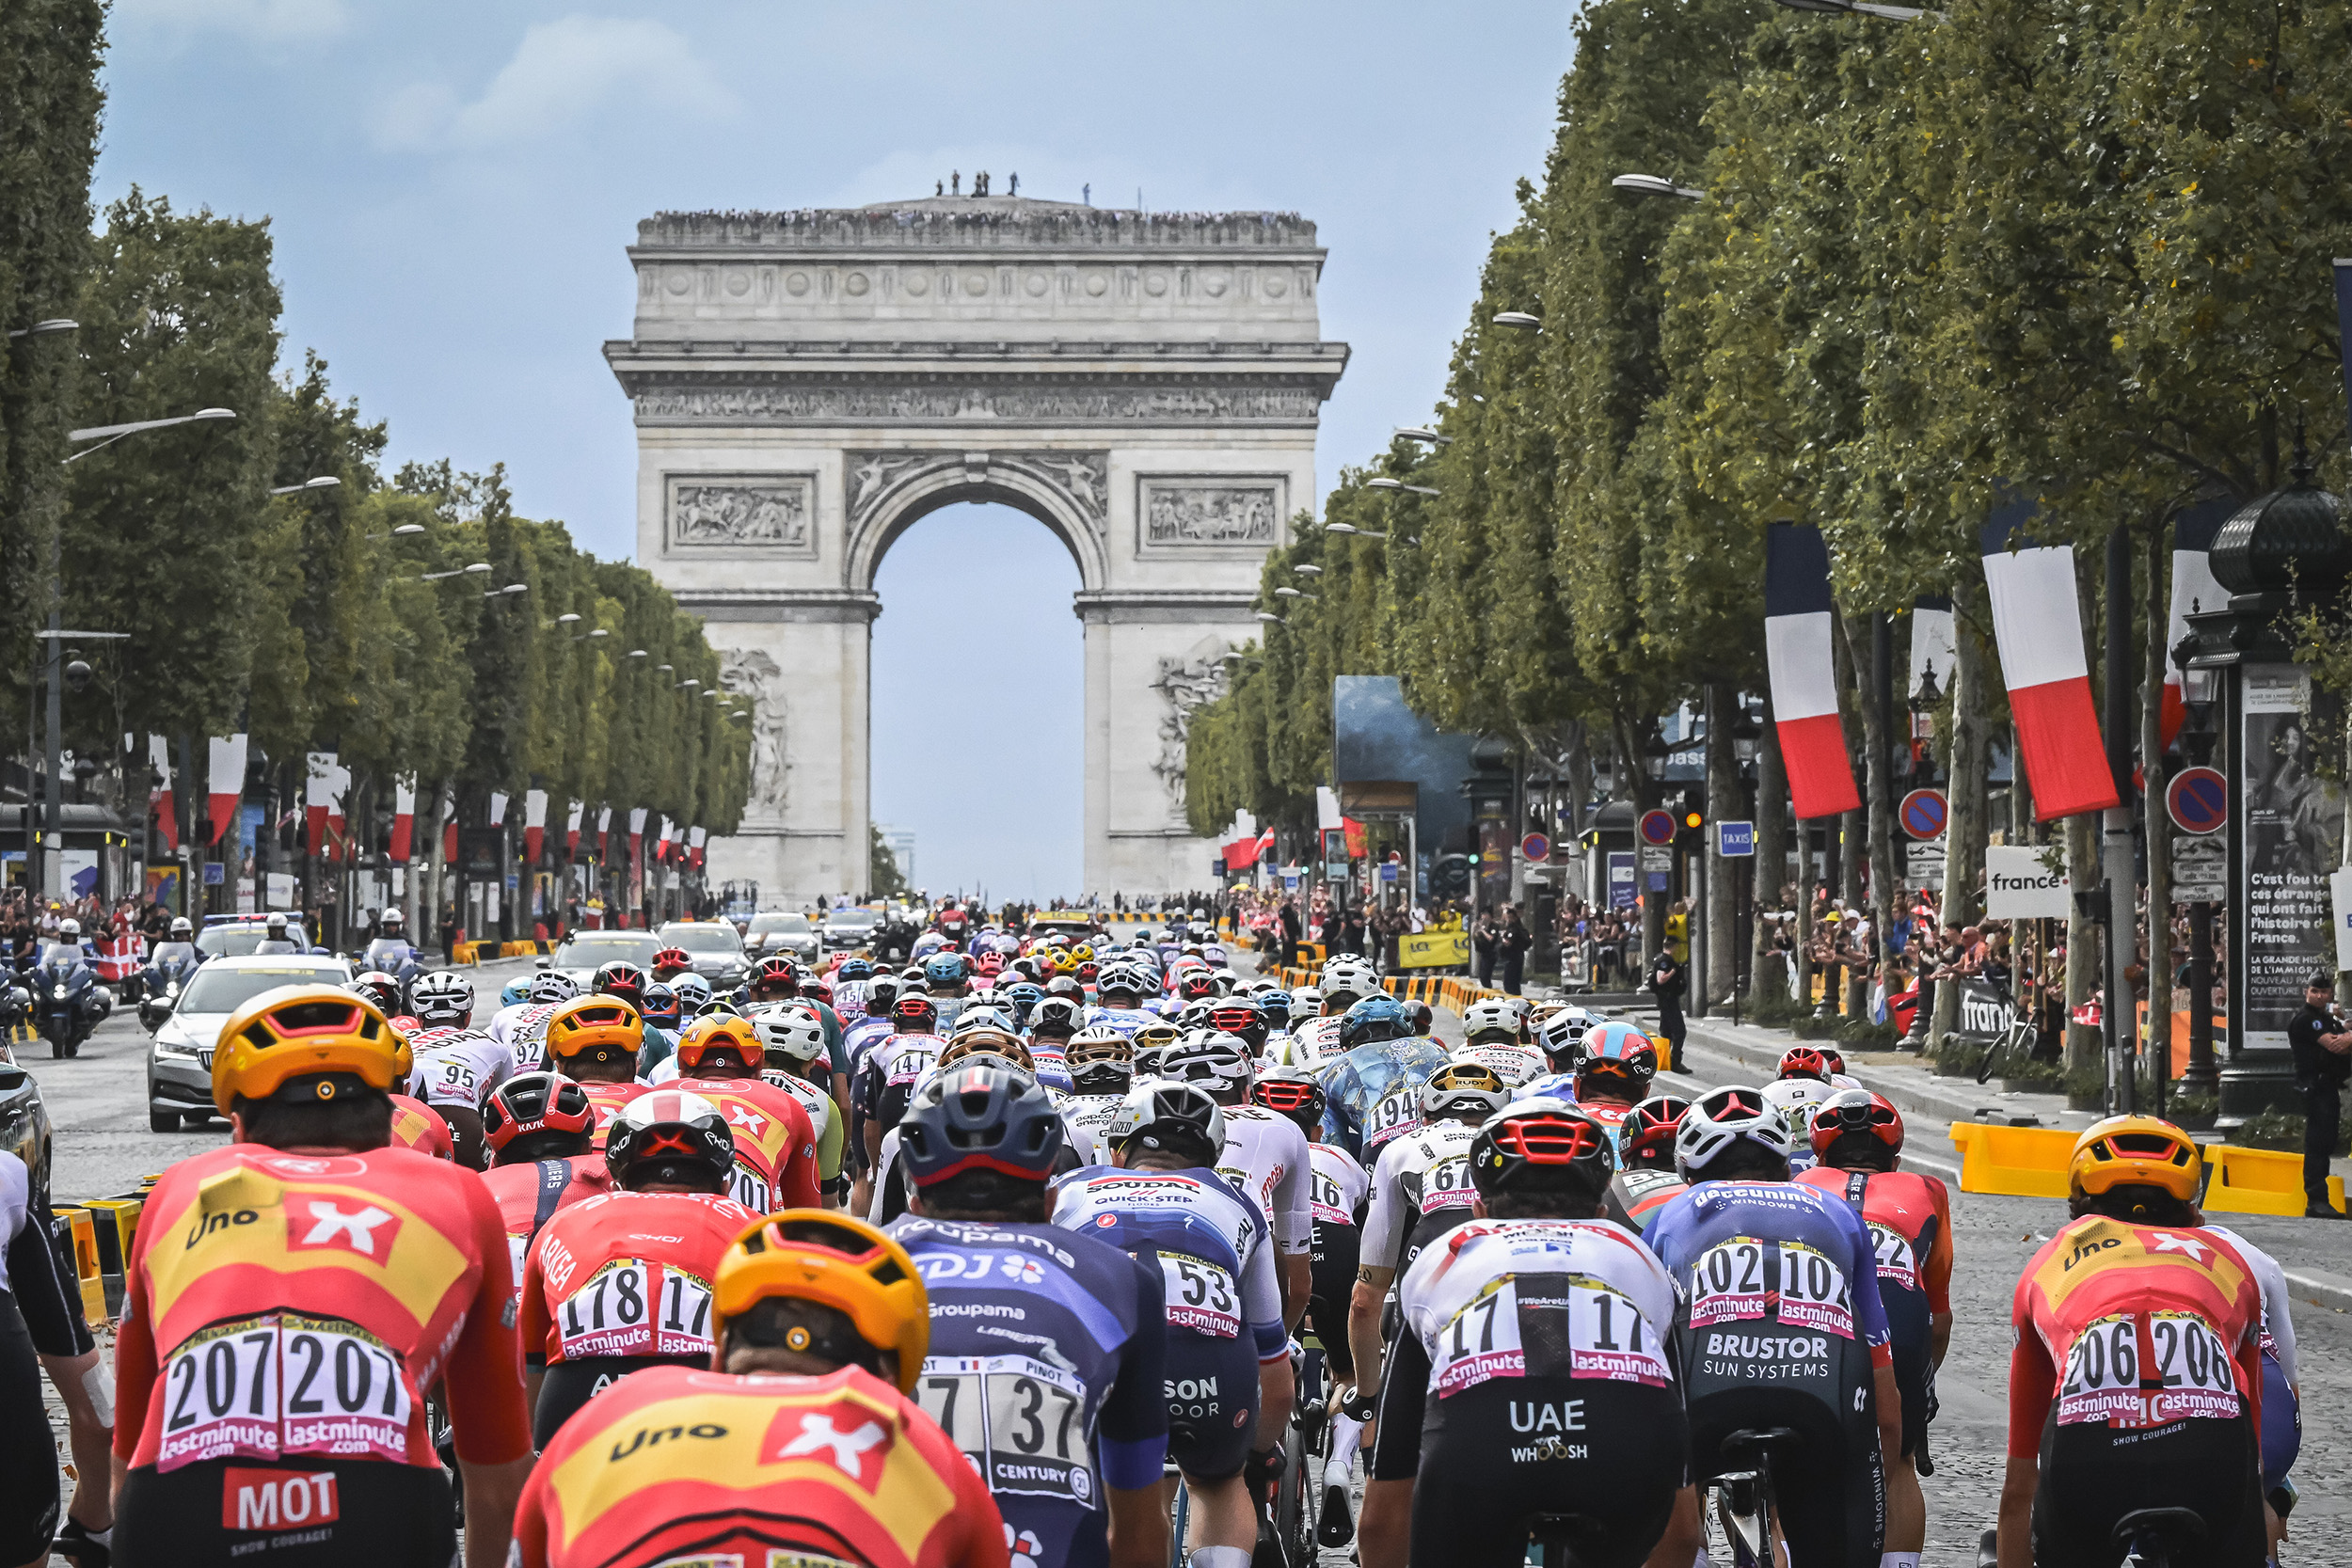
1206	511
749	513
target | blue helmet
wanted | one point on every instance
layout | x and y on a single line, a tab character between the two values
660	1005
943	969
514	991
1378	1016
1020	996
853	968
1275	1004
974	1117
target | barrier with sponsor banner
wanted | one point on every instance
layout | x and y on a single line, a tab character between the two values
1434	950
1449	991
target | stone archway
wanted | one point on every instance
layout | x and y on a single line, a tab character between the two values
808	384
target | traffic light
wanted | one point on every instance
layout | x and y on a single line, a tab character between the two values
1689	821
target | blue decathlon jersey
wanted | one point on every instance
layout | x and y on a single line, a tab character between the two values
1374	1093
1046	1360
1214	1252
1555	1085
1125	1020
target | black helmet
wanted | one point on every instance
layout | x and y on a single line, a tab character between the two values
1290	1091
670	1135
1420	1016
1067	985
980	1117
1542	1146
622	979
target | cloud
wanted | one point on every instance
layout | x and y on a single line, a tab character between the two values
563	72
262	20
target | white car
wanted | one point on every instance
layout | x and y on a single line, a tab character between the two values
180	1056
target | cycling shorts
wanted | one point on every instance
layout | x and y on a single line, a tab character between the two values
293	1514
569	1385
1833	1505
1211	1389
2282	1425
2093	1474
1487	1461
29	1451
1331	1266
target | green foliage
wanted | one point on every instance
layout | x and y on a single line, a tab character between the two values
883	878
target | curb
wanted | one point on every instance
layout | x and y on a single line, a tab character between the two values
2330	1291
1910	1097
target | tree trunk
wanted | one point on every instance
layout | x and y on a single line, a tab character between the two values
1878	787
1967	788
1724	802
2159	824
1772	845
2085	1048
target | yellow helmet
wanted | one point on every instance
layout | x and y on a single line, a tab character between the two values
1162	1035
984	1039
1066	962
300	1031
1083	952
817	1255
586	1022
2121	1151
720	1032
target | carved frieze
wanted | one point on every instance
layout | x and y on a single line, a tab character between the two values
976	403
769	513
1183	685
1081	479
1208	510
755	674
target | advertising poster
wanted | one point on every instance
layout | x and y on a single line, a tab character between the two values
2294	841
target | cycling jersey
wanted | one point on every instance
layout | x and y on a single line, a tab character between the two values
1090	1116
1779	1324
1125	1020
456	1066
2281	1405
1796	1099
658	1046
609	1100
1517	1065
1319	1038
775	1147
1266	1159
619	1282
1535	1374
2137	1382
43	1324
1373	1093
1337	1185
1636	1198
1421	1189
822	1114
1049	1058
522	1029
1047	1358
1224	1304
892	1069
685	1467
858	1036
1910	1218
1552	1086
283	1316
528	1192
419	1125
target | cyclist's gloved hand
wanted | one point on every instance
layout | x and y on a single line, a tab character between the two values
1264	1470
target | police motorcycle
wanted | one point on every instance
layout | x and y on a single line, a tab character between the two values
389	953
169	968
69	1004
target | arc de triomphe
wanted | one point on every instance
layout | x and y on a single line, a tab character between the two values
808	384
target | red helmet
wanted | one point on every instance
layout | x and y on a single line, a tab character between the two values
671	960
820	989
1649	1128
535	1103
1856	1111
774	976
914	1013
1803	1061
1196	985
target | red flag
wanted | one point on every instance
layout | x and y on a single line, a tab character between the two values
227	781
448	843
338	830
317	796
571	832
404	819
1355	832
1240	854
2038	624
165	809
696	839
636	835
535	824
1802	671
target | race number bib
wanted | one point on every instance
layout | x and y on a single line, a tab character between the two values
2182	1368
1481	1342
1608	1337
1813	1291
1201	1296
1021	1422
1727	1282
1322	1197
1447	1186
448	1082
634	1306
2198	1377
1394	1113
2102	1374
1899	1265
280	1385
749	1186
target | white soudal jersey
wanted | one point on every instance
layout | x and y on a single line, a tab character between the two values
1266	1159
1320	1037
1337	1184
1516	1065
456	1066
1191	1216
523	1030
1484	1305
1795	1099
1091	1115
1419	1174
816	1101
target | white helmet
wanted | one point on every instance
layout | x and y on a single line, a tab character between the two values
1210	1057
1349	975
391	917
1563	1032
1462	1088
1795	1099
1285	1049
792	1032
1306	1001
1165	1113
1491	1013
70	929
553	984
443	998
982	1016
1516	1065
1724	1117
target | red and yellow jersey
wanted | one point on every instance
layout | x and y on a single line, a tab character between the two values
672	1463
609	1100
1910	1216
2133	1325
627	1273
419	1125
775	1143
282	1306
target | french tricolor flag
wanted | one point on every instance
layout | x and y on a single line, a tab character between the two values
535	824
571	834
1804	670
2037	625
2194	589
404	818
225	779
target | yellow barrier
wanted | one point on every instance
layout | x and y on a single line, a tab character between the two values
115	1224
2258	1181
2023	1162
84	1231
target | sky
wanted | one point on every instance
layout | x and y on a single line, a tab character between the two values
450	187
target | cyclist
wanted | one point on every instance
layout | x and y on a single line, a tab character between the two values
1102	1071
1049	1348
419	1125
1646	1179
668	963
1779	1324
1493	1033
777	979
1537	1325
621	1282
1264	1156
2136	1382
1119	990
1337	1193
626	982
1857	1140
946	979
886	1080
539	1128
1803	1085
289	1300
1615	1063
799	1447
792	1040
1374	1089
2282	1397
720	1058
1228	1378
42	1328
455	1064
595	1042
521	1027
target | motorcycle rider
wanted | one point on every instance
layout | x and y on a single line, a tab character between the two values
276	941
